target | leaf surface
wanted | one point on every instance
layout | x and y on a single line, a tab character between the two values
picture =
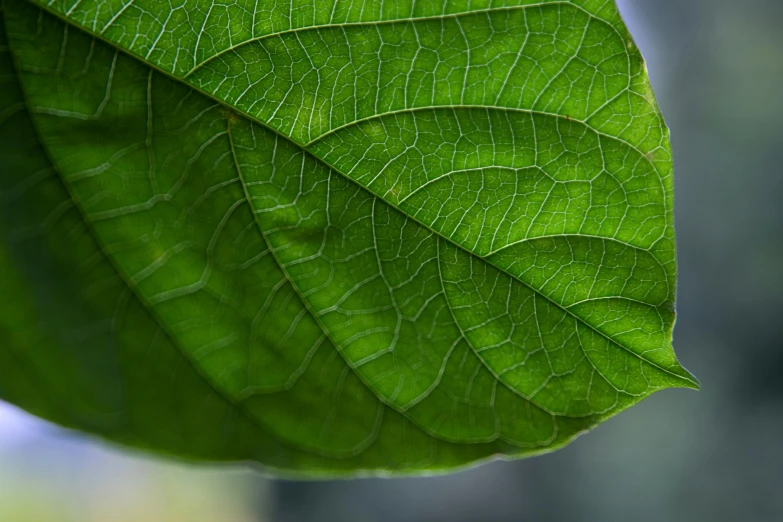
332	237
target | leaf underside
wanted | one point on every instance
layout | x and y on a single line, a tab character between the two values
332	237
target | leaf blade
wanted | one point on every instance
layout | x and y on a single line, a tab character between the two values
429	388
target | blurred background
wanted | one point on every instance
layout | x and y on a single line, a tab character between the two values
717	69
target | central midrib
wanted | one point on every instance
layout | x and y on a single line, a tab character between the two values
367	189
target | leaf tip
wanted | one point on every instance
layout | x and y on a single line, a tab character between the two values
690	380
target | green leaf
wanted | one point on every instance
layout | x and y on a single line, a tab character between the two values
332	237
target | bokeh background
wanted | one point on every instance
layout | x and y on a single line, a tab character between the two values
717	68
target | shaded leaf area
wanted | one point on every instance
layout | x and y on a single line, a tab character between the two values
379	240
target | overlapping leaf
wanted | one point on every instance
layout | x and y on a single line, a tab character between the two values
332	236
